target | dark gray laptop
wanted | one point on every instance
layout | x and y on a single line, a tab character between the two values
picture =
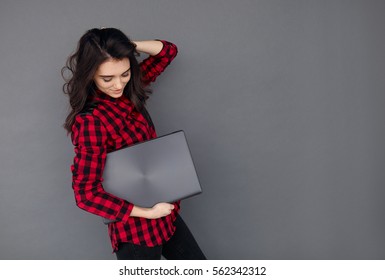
158	170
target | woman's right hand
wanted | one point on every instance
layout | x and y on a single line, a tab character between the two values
161	209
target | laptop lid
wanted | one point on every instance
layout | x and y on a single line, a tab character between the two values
157	170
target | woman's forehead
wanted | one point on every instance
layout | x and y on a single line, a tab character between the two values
112	67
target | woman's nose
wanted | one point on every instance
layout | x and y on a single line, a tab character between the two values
118	84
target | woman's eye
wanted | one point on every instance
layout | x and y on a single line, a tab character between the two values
107	80
126	74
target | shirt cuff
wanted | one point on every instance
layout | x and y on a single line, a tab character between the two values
163	51
125	211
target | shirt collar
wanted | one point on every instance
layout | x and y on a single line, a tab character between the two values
101	96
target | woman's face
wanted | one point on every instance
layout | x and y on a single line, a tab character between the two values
112	76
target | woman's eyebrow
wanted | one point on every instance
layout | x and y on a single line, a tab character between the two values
110	76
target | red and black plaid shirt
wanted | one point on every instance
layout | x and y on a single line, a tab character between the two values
113	124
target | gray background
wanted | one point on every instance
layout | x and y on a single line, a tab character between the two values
282	103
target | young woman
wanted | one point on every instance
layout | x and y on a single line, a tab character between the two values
107	91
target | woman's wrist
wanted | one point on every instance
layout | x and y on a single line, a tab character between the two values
150	47
141	212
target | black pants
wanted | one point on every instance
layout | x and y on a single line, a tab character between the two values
181	246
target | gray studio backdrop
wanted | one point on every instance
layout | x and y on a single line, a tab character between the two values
282	103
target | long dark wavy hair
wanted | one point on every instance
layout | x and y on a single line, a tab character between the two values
94	48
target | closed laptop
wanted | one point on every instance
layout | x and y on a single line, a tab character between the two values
157	170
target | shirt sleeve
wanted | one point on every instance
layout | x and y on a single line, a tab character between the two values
153	66
89	138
